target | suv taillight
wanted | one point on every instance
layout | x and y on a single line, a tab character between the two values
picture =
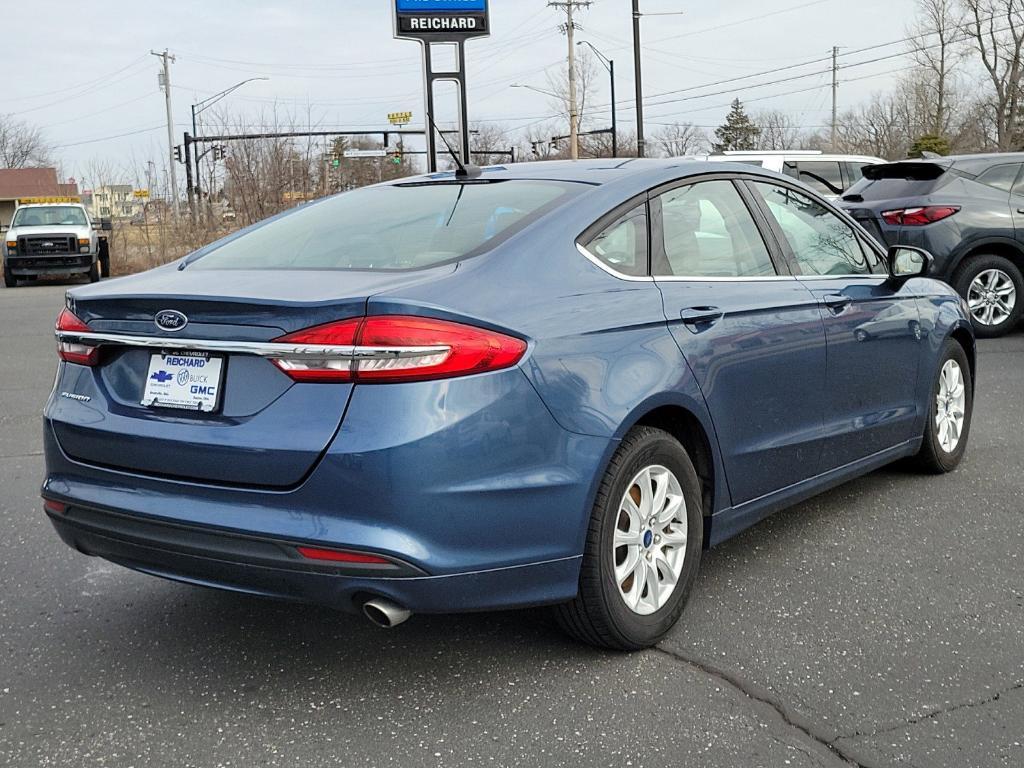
920	216
397	348
75	351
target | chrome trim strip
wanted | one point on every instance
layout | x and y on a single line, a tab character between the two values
601	265
268	349
751	279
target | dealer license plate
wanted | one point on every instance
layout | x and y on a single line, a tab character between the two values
185	380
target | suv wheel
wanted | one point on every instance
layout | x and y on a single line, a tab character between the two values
94	272
994	289
10	281
643	546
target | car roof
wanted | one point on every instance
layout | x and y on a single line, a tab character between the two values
796	153
596	172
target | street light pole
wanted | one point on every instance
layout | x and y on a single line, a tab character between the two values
609	64
197	109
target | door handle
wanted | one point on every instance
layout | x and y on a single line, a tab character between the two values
836	302
701	315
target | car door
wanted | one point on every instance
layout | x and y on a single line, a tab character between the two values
872	329
751	333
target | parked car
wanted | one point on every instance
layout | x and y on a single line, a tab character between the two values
828	175
968	212
548	383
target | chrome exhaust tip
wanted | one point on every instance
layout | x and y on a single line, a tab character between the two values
385	613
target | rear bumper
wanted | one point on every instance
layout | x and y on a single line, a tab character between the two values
469	482
269	568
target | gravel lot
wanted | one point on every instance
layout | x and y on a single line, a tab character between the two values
879	624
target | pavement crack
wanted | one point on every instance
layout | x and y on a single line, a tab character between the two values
934	713
815	732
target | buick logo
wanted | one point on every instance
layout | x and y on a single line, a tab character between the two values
170	320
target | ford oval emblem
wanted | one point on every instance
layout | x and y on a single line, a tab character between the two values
170	320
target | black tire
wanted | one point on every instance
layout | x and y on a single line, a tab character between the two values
94	272
10	281
973	267
933	458
599	615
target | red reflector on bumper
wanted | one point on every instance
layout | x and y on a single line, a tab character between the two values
57	507
334	556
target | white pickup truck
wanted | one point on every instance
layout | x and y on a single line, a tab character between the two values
56	239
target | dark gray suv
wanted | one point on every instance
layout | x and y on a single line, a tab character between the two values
968	212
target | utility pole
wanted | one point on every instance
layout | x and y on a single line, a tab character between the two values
835	94
638	76
165	81
574	111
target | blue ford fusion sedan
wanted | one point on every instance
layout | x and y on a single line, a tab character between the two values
549	383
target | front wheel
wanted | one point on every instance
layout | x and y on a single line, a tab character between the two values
643	546
10	281
94	272
949	414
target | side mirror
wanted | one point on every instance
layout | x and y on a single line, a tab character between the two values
905	262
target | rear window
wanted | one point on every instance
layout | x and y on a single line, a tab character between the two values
892	180
390	228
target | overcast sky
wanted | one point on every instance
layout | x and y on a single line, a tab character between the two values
83	73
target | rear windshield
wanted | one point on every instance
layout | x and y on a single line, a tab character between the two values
892	180
400	227
49	216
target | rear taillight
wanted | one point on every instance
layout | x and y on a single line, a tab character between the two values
920	216
74	351
396	348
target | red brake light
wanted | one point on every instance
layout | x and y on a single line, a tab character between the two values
920	216
398	348
336	556
75	351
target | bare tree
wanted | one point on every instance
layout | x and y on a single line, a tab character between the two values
936	47
681	139
22	145
778	131
485	138
997	31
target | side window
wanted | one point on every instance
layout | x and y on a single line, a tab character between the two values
1000	177
708	231
622	245
822	243
823	177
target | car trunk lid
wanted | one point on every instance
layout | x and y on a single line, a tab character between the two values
264	429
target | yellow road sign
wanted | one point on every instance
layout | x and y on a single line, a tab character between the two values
141	194
400	118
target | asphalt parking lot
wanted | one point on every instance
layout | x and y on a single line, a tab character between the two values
880	624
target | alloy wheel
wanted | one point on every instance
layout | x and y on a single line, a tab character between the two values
649	545
992	297
950	406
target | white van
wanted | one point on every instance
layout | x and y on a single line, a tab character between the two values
829	175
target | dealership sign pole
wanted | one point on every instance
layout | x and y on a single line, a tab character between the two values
443	22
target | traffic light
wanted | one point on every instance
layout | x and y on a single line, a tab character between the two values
220	151
177	154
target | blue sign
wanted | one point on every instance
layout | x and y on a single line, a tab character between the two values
433	6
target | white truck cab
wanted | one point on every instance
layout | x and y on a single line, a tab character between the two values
52	238
829	175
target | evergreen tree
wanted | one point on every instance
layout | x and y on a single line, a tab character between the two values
738	132
929	143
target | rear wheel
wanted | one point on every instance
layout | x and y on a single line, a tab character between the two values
94	272
994	289
643	546
949	414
